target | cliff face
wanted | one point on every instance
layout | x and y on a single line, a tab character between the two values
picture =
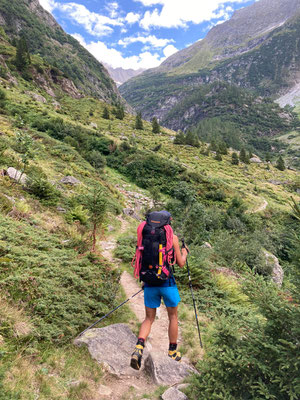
45	37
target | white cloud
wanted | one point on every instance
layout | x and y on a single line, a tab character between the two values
153	40
115	58
95	24
178	13
131	17
48	5
112	9
169	50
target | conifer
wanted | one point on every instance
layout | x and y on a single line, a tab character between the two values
105	113
280	164
234	159
139	121
155	125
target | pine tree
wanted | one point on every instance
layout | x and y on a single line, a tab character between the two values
179	138
139	121
155	125
22	55
105	113
192	139
223	148
244	156
280	164
218	156
212	146
119	111
268	157
235	159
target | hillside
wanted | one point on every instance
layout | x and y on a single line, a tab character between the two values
184	92
46	38
81	160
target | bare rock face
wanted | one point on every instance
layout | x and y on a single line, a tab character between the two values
174	394
70	180
16	175
112	346
255	160
165	371
277	271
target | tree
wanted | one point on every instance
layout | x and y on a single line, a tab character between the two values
119	111
155	125
105	113
218	156
24	146
212	146
96	203
243	156
223	148
139	121
22	55
268	157
179	138
280	164
192	139
235	159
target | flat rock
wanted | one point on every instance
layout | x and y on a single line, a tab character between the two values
255	160
174	394
16	175
70	180
165	371
112	346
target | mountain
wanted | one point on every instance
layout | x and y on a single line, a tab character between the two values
121	75
236	71
45	37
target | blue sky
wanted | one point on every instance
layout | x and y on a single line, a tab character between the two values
139	33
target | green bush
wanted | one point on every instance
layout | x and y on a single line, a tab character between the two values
43	190
5	204
60	290
252	356
125	248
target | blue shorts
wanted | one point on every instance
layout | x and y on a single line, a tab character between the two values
153	295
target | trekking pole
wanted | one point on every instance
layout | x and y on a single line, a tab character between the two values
120	305
191	287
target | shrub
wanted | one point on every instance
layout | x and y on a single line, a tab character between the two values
43	190
77	213
5	204
61	291
252	357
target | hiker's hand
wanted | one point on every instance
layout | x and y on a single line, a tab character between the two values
185	248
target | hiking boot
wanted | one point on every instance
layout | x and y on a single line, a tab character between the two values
175	355
136	357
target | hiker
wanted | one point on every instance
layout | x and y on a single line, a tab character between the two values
156	253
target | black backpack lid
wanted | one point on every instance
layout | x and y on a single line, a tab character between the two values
157	219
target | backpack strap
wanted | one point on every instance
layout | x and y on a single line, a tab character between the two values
136	261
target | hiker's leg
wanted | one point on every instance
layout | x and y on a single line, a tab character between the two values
148	321
173	324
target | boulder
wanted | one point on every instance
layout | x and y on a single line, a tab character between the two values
16	175
277	271
207	245
70	180
255	160
112	346
93	125
131	213
165	371
174	394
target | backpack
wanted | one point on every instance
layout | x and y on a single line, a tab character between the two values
154	258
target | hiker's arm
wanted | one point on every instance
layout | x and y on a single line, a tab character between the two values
180	255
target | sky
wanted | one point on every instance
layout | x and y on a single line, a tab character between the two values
139	33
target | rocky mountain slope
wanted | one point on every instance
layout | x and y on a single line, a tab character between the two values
45	37
121	75
255	54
